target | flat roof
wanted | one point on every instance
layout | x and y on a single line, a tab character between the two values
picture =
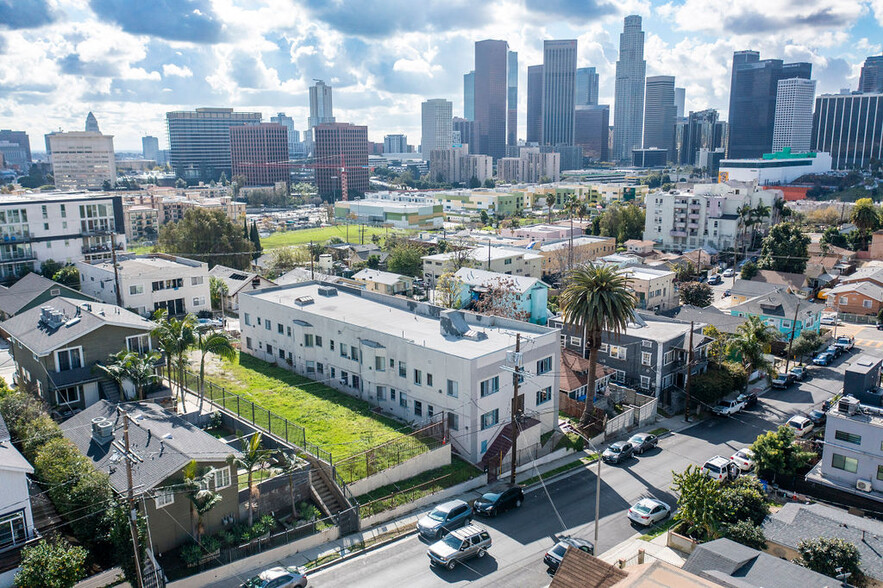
150	262
643	273
419	323
481	254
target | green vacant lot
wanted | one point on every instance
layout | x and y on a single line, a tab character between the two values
335	421
321	235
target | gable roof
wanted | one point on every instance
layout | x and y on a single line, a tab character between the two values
380	277
795	281
864	274
578	569
17	296
163	440
869	289
724	322
796	521
575	370
776	304
28	329
750	288
737	566
479	277
235	279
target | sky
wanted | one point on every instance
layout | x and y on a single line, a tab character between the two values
131	61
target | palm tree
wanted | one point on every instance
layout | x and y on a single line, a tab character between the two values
745	221
289	463
253	458
582	211
132	366
550	202
175	337
751	341
598	299
571	205
202	499
216	343
758	214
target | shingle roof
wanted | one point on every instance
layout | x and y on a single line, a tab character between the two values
380	277
163	440
796	281
734	565
776	304
751	288
574	371
42	340
865	273
578	569
795	522
725	323
869	289
23	291
233	278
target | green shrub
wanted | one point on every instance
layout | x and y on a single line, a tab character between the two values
36	433
191	554
745	501
211	544
56	564
746	533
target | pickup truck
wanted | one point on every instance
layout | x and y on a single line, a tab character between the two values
728	407
845	343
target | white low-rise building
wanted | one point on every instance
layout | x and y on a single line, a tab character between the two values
778	168
654	288
503	260
413	360
150	282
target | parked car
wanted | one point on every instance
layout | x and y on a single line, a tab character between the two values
728	407
278	577
648	511
802	425
830	320
817	417
643	441
618	452
729	273
783	381
749	399
799	372
554	556
715	280
834	350
444	518
744	458
880	326
845	343
493	503
720	468
462	544
823	358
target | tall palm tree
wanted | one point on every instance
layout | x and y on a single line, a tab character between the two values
175	337
598	299
758	214
550	202
571	205
752	340
216	343
745	221
202	500
132	366
252	459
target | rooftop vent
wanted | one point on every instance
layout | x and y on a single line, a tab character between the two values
102	430
51	318
327	291
848	405
303	300
256	282
453	323
239	277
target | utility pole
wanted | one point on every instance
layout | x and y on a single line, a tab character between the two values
312	275
133	526
791	338
515	411
116	270
488	255
689	377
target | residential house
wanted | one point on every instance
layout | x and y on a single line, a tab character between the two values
412	360
865	298
794	283
875	250
16	518
384	282
710	316
869	273
520	297
353	253
795	521
639	246
561	255
785	312
150	282
654	289
33	290
578	569
237	281
843	254
573	380
56	349
503	260
164	443
543	232
744	290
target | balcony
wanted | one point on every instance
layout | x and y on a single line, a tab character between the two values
16	238
680	204
87	249
693	216
678	233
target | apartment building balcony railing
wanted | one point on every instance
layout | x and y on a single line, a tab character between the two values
694	216
678	233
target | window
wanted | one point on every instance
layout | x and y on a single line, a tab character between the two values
880	472
379	363
453	388
403	369
267	324
270	349
248	343
164	498
311	367
344	378
603	348
381	393
646	343
645	382
645	358
320	367
392	394
619	376
343	350
544	395
490	386
848	437
70	395
577	341
331	344
847	464
418	408
247	319
617	352
544	366
429	380
138	343
259	321
453	421
317	338
844	300
280	328
418	377
68	359
45	212
332	373
489	419
308	340
354	353
507	261
289	331
222	478
866	303
55	291
403	400
196	280
356	382
136	289
429	410
392	363
668	357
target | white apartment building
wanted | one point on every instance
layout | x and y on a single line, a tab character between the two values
437	117
707	215
65	227
530	167
503	260
414	361
653	288
82	160
150	282
455	165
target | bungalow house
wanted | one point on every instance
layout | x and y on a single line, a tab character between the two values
33	290
16	519
795	283
856	298
869	273
528	297
574	376
384	282
783	311
237	281
639	246
56	349
166	443
744	290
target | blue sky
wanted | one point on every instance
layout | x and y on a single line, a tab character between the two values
130	61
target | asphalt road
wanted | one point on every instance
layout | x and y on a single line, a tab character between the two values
567	507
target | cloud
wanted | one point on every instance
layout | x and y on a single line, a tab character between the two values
172	70
25	14
580	11
2	44
176	20
380	19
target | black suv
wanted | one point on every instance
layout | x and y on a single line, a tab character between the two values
493	503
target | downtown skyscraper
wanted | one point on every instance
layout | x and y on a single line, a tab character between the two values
628	105
469	96
321	108
871	80
559	91
512	99
793	121
491	61
535	104
586	86
436	117
660	112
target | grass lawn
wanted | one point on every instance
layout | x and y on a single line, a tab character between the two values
335	421
659	529
321	235
140	249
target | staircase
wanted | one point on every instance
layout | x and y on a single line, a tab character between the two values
322	494
498	449
109	390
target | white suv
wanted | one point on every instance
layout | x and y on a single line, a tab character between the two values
720	468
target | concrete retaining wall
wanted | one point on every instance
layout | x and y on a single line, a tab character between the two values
424	462
680	542
421	503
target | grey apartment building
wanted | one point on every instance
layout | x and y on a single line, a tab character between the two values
199	141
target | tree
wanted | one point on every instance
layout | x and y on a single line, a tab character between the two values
51	564
405	259
717	349
596	299
866	217
501	298
489	183
751	341
216	343
623	222
223	179
775	452
447	290
744	500
283	259
180	183
209	236
758	214
699	502
49	268
746	533
175	337
806	343
135	367
202	500
255	237
474	182
253	458
373	261
69	276
831	556
749	270
696	294
218	291
685	271
485	219
550	202
833	236
785	249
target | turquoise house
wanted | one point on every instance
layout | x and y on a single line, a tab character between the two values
522	297
778	310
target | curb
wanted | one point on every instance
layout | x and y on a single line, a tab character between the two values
354	554
559	476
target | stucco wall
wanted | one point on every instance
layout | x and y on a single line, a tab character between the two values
416	465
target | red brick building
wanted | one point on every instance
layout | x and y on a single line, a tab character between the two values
260	153
341	145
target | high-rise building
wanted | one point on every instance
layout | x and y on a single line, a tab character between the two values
149	147
660	113
512	99
294	144
321	109
199	141
469	96
260	153
82	160
19	138
703	131
341	145
793	122
753	88
491	59
530	166
559	91
535	104
468	132
592	129
456	165
850	128
91	124
395	143
436	116
586	86
871	80
680	101
628	107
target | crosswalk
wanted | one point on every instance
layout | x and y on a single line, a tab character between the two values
869	343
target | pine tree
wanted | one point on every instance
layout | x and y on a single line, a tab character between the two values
255	238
